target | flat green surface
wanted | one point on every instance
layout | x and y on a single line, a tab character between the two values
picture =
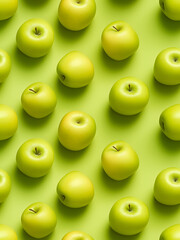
155	151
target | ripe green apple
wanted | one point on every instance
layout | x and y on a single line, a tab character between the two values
171	8
7	233
5	185
119	160
5	64
7	8
38	220
76	130
119	40
128	96
38	100
171	233
75	190
128	216
75	70
8	122
35	38
170	122
167	66
167	186
35	157
76	15
75	235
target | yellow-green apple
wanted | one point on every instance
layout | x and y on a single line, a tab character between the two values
76	15
7	233
170	122
8	122
5	185
76	130
38	100
128	216
75	70
167	66
171	233
119	160
35	38
35	157
7	8
119	40
74	235
171	8
38	220
75	190
128	96
167	186
5	64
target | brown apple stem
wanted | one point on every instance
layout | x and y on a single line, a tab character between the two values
129	85
36	151
129	208
32	90
36	31
32	210
115	148
115	28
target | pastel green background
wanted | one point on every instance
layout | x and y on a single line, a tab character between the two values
155	151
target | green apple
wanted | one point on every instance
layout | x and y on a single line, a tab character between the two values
128	216
75	70
7	233
75	235
76	15
38	100
167	66
5	64
171	233
38	220
35	157
7	8
5	185
171	8
128	96
119	40
8	122
35	38
170	122
75	190
167	186
119	160
76	130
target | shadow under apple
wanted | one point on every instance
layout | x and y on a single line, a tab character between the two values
35	3
23	235
168	24
123	2
168	144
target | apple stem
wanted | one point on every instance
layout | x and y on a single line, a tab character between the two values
129	208
115	28
175	179
32	90
32	210
37	32
115	148
129	85
36	151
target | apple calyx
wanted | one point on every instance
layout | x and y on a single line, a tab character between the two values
37	152
32	90
63	77
116	148
162	4
37	32
63	197
32	210
116	28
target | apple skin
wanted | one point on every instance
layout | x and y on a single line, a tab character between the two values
7	233
128	96
38	100
74	235
167	186
119	40
128	216
35	157
167	66
75	70
75	190
8	122
119	160
76	130
76	15
170	122
171	233
38	220
171	8
35	38
5	65
7	8
5	185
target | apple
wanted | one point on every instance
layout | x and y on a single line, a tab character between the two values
38	220
7	8
5	64
171	233
119	160
35	38
5	185
128	96
128	216
76	130
74	235
167	186
75	70
76	15
170	122
38	100
119	40
7	233
75	190
35	157
167	66
171	8
8	122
